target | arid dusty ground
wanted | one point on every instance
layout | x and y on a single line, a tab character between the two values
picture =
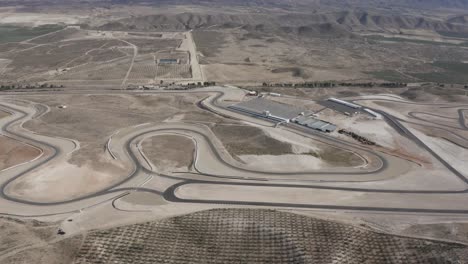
169	152
247	142
31	241
13	152
3	114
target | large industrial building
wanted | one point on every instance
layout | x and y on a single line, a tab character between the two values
316	124
278	112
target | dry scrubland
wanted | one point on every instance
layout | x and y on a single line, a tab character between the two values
239	46
233	55
297	51
100	116
71	55
242	46
169	152
248	140
30	241
426	93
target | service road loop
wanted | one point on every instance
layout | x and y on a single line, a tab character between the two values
169	193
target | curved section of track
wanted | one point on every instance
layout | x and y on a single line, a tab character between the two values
212	104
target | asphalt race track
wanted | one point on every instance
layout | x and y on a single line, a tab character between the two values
235	176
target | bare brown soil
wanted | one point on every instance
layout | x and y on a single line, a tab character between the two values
446	93
338	157
18	233
8	47
48	57
448	231
169	152
53	253
92	119
325	93
248	140
13	152
208	43
152	45
143	198
202	117
57	36
30	241
3	114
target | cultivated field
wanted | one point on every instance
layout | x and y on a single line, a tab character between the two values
259	236
72	56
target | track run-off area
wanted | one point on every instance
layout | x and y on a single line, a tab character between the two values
386	183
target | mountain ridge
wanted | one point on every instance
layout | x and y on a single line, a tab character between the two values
338	23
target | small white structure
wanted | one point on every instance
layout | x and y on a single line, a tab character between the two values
277	118
348	104
275	94
62	106
373	113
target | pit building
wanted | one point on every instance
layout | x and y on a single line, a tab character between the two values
282	113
